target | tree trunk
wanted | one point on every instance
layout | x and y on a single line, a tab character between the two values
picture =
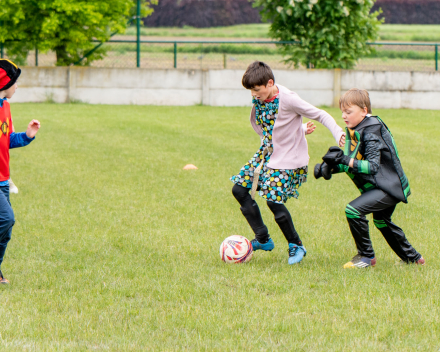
63	58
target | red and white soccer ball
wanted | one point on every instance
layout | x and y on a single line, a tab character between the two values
236	249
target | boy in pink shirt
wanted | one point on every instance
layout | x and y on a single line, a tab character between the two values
281	161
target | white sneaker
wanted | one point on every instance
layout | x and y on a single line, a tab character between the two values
12	187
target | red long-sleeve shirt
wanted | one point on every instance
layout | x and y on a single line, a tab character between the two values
5	133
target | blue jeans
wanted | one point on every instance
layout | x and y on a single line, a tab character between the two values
7	220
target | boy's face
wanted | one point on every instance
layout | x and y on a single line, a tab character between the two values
353	115
8	93
263	92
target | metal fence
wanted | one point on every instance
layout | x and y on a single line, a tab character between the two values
165	54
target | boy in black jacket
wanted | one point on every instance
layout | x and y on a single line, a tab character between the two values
371	160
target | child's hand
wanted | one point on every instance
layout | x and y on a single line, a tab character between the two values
310	127
33	128
342	141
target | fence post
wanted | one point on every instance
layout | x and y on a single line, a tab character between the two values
436	57
138	34
337	75
175	54
36	56
225	62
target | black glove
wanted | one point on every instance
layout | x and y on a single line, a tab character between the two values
335	156
323	170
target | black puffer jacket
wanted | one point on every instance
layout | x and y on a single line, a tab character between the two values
377	163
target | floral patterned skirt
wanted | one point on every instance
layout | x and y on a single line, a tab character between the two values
274	185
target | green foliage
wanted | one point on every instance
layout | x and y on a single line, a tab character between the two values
66	27
332	34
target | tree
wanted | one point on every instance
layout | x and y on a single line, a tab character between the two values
66	27
331	33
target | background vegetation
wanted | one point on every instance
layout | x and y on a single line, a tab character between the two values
329	34
388	33
65	27
169	13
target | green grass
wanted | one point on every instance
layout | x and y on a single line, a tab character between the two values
115	247
387	32
403	54
238	31
197	48
410	33
258	49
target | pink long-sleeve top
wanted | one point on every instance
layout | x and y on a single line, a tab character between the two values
290	149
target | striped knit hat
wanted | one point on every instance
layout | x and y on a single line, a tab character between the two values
9	73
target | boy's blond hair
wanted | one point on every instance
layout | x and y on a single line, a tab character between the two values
354	96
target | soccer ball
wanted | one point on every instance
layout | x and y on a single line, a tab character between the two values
236	249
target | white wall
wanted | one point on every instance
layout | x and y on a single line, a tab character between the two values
415	90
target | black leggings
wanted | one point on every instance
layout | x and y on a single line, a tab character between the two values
251	212
382	206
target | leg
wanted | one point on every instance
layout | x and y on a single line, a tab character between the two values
284	221
251	212
395	236
381	203
372	201
358	224
6	221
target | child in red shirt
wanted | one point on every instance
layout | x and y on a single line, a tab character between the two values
9	73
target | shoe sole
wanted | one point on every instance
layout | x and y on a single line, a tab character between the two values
357	267
400	263
295	262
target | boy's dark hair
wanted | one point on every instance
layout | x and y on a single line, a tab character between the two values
257	74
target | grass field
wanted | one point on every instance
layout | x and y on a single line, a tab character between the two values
115	247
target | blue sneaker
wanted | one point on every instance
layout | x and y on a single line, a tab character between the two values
296	253
268	246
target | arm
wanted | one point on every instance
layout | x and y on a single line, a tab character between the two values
308	127
305	109
338	169
18	140
370	165
24	138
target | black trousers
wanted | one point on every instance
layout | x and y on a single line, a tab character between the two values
382	206
251	212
